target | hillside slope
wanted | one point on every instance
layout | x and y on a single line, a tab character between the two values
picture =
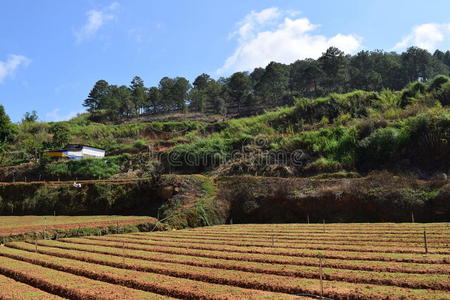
340	140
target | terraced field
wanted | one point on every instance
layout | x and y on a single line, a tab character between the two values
13	225
289	261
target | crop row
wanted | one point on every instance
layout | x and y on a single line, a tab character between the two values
417	240
20	221
396	243
12	289
118	277
398	257
325	230
64	284
300	245
168	263
204	258
223	278
443	231
319	228
14	225
337	226
413	238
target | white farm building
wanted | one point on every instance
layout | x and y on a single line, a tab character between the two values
77	151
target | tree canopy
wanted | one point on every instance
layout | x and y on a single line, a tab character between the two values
7	129
275	85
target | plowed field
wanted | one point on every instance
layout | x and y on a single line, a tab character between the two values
270	261
13	225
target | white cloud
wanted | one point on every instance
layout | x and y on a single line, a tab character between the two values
254	20
427	36
8	67
275	35
95	20
56	115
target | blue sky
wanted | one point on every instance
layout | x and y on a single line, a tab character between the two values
52	52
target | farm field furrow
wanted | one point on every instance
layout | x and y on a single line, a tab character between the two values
331	228
143	281
66	285
11	289
266	261
288	264
337	237
408	228
383	236
418	245
12	225
417	238
261	282
350	263
300	245
399	257
131	260
334	226
433	232
407	233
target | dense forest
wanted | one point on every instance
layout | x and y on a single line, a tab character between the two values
247	93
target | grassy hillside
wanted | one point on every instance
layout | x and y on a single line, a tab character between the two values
340	140
405	131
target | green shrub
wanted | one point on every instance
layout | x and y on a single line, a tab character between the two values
437	82
443	93
429	140
200	155
343	118
59	169
86	168
93	168
412	92
380	147
324	165
387	100
140	145
355	104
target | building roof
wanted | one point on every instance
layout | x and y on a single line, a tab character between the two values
79	147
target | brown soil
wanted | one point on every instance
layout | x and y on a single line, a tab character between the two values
237	267
29	229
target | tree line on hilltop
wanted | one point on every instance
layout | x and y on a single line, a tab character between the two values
245	93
